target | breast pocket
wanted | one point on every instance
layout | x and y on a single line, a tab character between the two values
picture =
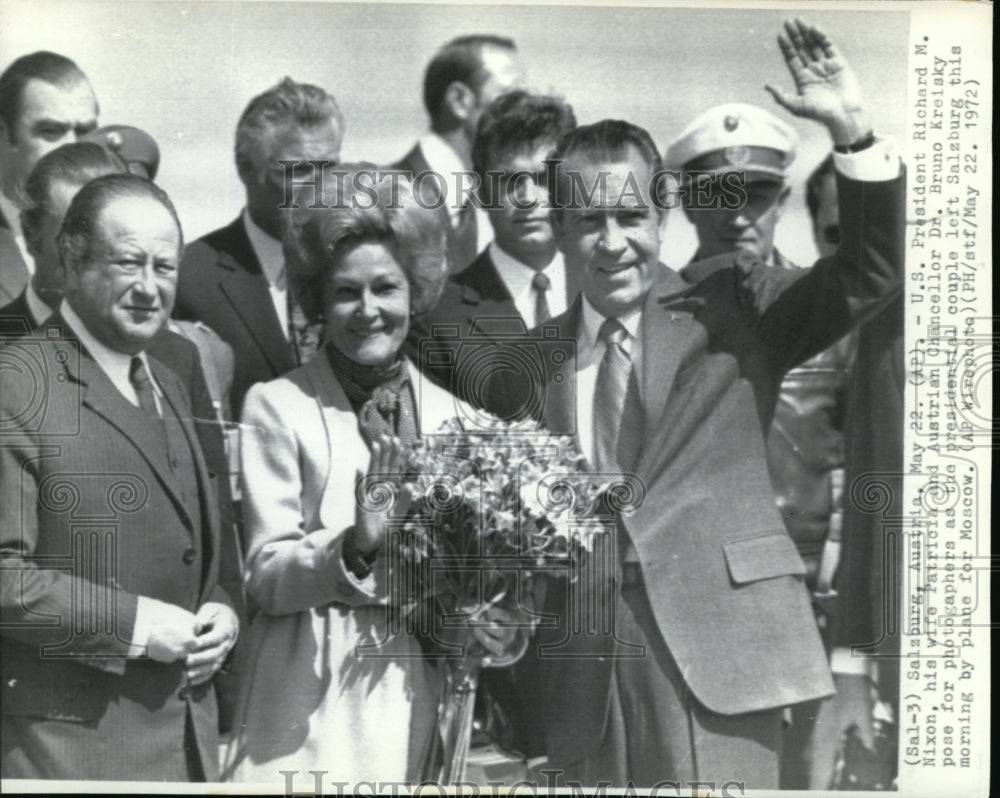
762	556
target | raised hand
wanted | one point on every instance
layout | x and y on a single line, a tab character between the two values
386	466
826	88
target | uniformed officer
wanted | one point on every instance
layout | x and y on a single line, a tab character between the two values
721	149
734	160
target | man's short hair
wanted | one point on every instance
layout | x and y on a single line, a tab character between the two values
80	225
75	164
815	181
607	141
42	65
519	121
460	60
288	104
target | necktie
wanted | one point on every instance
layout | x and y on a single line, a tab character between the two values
617	411
540	283
303	336
463	241
143	386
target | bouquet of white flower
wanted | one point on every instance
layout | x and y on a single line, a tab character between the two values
492	510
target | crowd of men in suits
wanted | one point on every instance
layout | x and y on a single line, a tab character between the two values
121	591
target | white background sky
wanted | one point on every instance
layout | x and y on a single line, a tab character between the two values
183	71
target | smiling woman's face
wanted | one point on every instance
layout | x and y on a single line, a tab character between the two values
367	301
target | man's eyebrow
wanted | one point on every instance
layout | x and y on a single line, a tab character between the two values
49	122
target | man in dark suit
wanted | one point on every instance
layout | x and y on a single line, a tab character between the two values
45	101
712	632
519	279
873	454
113	620
233	279
55	180
805	445
461	81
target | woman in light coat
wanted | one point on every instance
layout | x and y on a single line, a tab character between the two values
334	682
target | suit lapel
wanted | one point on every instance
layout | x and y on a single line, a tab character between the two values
559	402
100	395
486	303
667	323
344	444
173	393
242	282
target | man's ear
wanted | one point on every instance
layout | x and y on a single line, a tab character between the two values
245	169
460	100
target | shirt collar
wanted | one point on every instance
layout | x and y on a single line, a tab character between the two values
12	215
113	363
441	158
40	312
268	251
592	320
517	275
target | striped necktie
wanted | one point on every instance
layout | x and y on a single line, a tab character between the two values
138	375
617	409
540	284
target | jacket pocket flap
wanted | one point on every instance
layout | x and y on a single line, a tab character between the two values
762	557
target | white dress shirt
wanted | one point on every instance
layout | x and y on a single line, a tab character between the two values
272	262
517	277
115	364
12	214
441	158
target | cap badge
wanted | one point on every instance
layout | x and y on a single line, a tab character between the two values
731	123
737	156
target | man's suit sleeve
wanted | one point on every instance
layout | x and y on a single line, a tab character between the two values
40	606
804	313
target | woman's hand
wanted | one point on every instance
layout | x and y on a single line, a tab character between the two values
373	505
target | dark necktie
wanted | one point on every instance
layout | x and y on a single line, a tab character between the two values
541	283
143	386
464	240
302	336
617	411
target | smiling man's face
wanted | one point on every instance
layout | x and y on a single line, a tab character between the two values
124	293
613	242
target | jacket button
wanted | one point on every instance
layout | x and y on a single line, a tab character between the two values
190	555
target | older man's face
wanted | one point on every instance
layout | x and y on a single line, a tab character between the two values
613	241
265	182
124	293
749	228
50	116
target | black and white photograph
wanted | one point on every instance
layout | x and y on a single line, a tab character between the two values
485	398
